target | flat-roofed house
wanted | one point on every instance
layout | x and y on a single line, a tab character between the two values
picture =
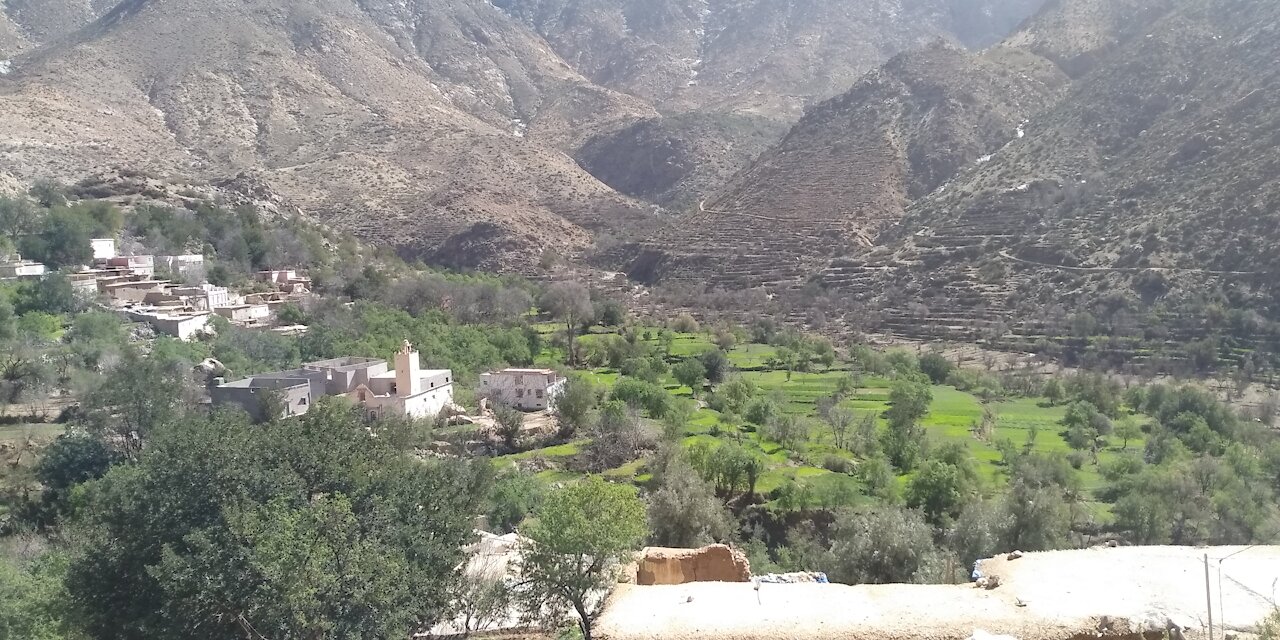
138	265
409	391
246	314
525	389
181	325
19	268
103	248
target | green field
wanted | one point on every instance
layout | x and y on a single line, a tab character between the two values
952	418
20	432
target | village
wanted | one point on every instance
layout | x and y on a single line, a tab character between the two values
773	482
180	302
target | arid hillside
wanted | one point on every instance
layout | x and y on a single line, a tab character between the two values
767	57
350	111
675	160
449	128
1142	207
854	163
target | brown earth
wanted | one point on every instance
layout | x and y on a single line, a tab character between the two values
714	563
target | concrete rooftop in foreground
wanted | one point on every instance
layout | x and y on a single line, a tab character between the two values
1056	595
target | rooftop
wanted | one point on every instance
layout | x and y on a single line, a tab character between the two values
346	362
1056	595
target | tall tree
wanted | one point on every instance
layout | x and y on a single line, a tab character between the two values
308	528
582	536
570	302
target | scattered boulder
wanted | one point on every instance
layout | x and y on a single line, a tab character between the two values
988	582
714	563
1014	555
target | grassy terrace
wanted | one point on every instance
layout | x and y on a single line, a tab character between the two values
952	416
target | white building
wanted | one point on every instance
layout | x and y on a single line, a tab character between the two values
410	391
137	265
182	266
183	326
246	314
103	248
19	268
526	389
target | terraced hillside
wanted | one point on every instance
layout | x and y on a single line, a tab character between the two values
854	163
1136	215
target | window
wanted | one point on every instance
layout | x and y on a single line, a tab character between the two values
393	388
519	393
539	393
302	401
362	396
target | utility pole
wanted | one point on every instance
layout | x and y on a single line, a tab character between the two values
1208	598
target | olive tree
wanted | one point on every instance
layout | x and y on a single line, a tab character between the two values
573	551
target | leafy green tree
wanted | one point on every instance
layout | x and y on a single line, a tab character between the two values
684	511
309	528
979	531
641	395
510	422
1053	391
1127	430
909	401
876	474
570	302
73	459
51	294
733	396
573	406
515	495
33	600
716	366
761	411
936	366
583	534
1038	518
140	394
19	217
939	490
690	373
8	320
884	545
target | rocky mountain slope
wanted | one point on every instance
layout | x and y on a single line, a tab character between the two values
768	57
1141	207
854	163
674	160
372	121
730	76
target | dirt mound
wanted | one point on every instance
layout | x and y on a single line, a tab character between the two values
714	563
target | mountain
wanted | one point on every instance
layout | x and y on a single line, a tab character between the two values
766	57
1141	207
1077	34
26	24
403	122
674	160
431	125
853	164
